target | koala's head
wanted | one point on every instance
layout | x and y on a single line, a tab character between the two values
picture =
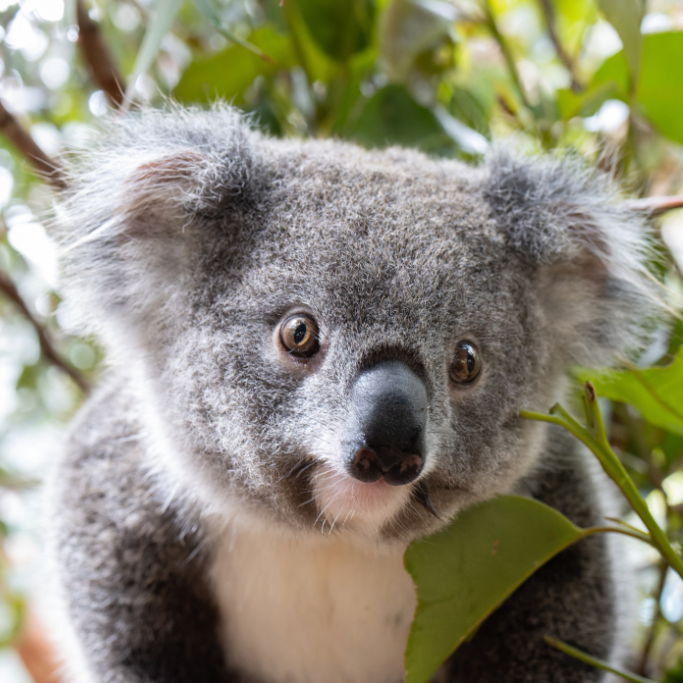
339	339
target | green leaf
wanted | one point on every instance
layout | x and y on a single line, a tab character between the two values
392	117
614	70
584	103
340	29
16	608
164	13
230	72
657	393
675	675
467	139
310	56
408	28
572	17
660	89
465	572
473	105
626	17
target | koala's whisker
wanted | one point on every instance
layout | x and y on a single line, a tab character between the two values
395	521
333	523
302	465
421	495
307	502
323	511
193	554
324	475
347	516
415	509
303	469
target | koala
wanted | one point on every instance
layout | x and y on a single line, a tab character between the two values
316	355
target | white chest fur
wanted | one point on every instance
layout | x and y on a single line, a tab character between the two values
312	610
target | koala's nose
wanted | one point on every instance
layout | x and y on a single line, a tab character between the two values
387	431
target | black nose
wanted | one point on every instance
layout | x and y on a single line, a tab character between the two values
387	430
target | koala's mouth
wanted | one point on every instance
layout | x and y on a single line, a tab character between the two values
343	501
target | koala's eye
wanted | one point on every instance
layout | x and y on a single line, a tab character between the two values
466	364
299	335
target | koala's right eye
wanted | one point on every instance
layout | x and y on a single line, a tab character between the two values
299	335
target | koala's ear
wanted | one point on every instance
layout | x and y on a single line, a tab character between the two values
143	199
586	250
161	185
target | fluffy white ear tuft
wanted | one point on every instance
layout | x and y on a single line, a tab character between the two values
143	198
590	251
158	192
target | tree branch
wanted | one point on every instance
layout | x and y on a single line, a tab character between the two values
549	14
98	57
8	288
47	168
656	205
507	55
37	652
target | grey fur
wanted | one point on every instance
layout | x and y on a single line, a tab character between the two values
186	236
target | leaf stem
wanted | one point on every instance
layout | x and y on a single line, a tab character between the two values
595	437
594	661
549	15
633	533
649	641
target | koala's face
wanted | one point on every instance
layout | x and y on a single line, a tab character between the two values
341	340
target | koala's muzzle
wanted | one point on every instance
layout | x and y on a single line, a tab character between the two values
386	432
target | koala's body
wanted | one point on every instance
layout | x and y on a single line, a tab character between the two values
313	346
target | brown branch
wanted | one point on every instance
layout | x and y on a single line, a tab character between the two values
8	288
47	168
656	205
677	508
37	652
98	57
549	14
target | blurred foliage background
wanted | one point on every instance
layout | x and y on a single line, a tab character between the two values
602	77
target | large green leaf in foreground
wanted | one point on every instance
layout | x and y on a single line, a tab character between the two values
657	393
467	570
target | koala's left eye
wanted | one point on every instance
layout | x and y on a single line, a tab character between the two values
466	363
299	335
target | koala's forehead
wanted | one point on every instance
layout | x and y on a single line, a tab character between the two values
381	235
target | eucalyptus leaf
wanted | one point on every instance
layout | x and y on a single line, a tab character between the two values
660	88
340	29
657	393
614	71
409	27
463	573
626	17
585	103
229	73
164	13
393	117
572	17
467	139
